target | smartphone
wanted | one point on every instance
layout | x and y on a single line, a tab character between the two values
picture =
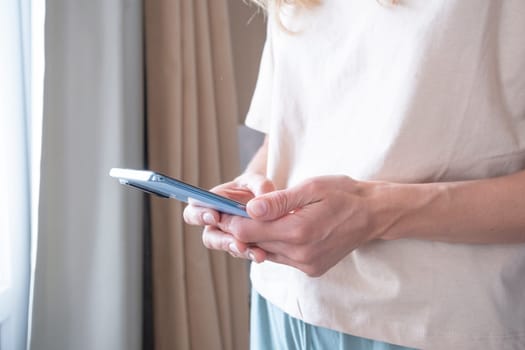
167	187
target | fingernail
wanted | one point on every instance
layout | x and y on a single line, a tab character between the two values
259	207
251	255
233	248
208	219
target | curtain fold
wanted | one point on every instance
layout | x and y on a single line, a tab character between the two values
87	290
200	296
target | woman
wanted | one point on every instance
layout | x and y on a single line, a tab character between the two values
388	199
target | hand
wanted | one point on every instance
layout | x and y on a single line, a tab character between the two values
242	189
311	226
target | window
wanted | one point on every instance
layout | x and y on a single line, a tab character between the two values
21	74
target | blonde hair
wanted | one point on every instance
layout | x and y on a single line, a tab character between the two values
302	3
279	3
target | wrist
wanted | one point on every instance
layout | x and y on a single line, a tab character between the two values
401	210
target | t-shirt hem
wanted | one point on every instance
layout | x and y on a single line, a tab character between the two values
409	335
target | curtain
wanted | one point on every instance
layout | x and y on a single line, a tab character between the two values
200	297
14	174
87	290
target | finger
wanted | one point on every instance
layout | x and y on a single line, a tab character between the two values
252	252
300	255
200	216
256	254
241	195
245	187
276	248
257	184
253	231
214	238
274	205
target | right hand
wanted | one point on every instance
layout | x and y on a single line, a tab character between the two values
242	189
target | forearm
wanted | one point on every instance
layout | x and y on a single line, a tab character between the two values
257	164
479	211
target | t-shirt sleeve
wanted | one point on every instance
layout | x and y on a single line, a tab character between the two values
259	113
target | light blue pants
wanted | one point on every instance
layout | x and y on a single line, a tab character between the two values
273	329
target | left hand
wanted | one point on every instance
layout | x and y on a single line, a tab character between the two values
241	189
311	226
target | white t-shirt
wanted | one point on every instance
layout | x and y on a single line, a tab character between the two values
425	91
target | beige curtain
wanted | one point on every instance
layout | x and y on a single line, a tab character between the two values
200	297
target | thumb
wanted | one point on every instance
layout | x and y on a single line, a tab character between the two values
274	205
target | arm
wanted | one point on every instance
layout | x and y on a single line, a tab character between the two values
477	211
257	165
315	224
